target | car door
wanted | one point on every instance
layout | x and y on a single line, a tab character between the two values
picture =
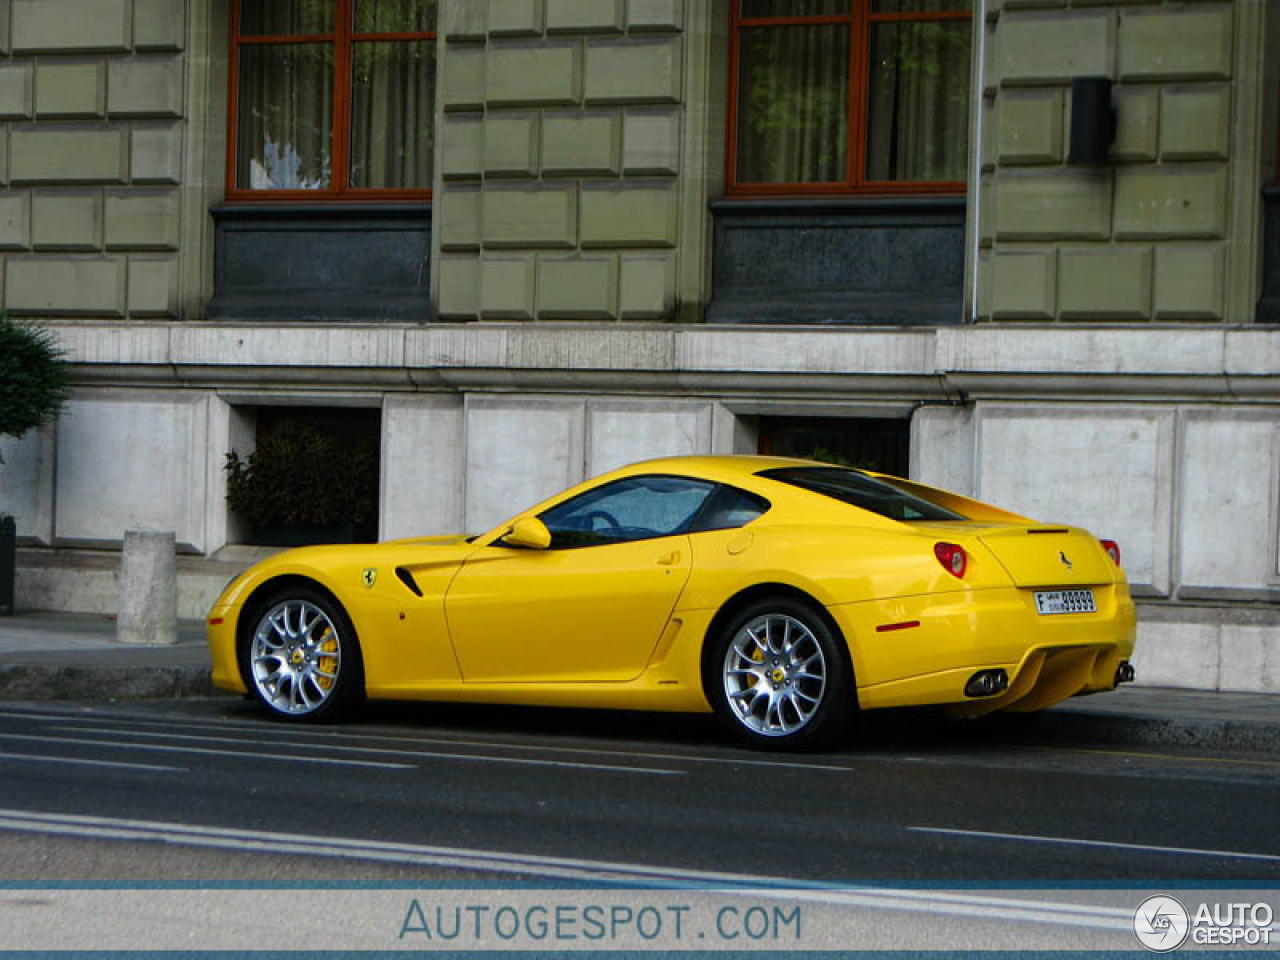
592	606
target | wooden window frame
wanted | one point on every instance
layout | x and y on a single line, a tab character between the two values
859	20
341	39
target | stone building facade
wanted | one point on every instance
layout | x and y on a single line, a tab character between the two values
592	280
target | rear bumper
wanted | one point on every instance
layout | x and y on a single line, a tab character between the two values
1047	658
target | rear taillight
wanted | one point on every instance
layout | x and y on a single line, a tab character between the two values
1113	550
952	557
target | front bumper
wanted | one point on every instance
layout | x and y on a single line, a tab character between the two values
222	648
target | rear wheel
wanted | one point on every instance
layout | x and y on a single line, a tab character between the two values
777	678
301	659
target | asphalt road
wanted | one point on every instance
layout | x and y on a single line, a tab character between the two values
414	788
917	834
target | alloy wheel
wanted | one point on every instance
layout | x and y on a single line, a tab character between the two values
296	657
774	675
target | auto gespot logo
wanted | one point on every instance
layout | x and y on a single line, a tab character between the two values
1161	924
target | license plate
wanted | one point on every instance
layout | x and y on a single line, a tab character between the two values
1065	601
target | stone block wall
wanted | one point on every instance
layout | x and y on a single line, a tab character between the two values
558	190
1146	237
91	149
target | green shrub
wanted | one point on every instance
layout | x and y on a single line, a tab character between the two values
301	476
823	455
33	377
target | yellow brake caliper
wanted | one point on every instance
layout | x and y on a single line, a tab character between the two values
329	664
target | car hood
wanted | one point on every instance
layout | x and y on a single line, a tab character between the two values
447	540
340	564
411	551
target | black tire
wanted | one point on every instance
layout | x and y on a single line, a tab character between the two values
800	711
300	657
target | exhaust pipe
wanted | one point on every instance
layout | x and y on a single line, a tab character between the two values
1124	673
986	683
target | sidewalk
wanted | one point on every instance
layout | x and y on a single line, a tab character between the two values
68	656
60	656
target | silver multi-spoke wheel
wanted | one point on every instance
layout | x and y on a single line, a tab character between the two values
774	675
295	656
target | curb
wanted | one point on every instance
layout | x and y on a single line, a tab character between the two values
1113	729
42	682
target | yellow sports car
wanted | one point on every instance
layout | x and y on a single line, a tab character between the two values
781	594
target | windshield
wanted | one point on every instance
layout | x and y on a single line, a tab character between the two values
859	490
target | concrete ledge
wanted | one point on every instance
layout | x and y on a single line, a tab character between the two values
88	580
989	359
47	682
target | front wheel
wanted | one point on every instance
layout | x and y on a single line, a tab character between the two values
301	659
776	677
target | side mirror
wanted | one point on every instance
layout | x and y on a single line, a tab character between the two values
528	532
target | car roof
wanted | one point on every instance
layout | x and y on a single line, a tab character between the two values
725	467
793	504
738	470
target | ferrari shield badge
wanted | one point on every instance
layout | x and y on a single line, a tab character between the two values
369	577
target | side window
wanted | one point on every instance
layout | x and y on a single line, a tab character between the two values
635	508
728	508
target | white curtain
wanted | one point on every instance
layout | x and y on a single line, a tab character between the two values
793	93
392	113
286	96
285	117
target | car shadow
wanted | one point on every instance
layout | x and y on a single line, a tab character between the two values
918	730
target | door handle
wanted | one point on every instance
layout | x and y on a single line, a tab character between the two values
669	559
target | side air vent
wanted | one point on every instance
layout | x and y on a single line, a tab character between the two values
407	579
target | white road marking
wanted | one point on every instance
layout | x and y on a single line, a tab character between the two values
255	841
91	763
597	751
1110	844
85	741
453	741
427	754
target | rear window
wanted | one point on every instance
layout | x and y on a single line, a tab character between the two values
860	490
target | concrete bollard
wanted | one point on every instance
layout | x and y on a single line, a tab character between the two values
148	588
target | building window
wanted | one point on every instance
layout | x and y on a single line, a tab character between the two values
1276	158
879	445
332	99
842	96
312	475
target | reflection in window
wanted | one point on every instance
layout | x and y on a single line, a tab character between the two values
868	493
729	508
265	18
794	104
918	101
392	97
846	95
286	117
395	16
635	508
333	96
